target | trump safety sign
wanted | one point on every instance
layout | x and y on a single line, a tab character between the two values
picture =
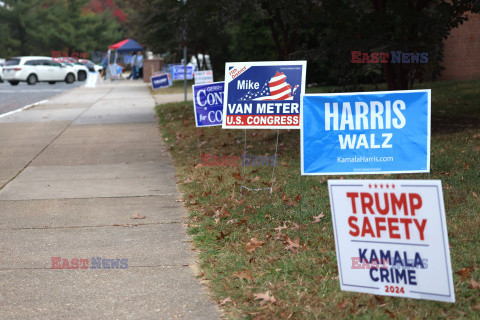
208	104
391	238
365	132
263	95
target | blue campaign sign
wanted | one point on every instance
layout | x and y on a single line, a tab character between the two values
178	72
160	81
365	133
263	95
208	104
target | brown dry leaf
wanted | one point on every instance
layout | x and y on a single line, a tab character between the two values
243	275
253	243
188	180
474	284
477	148
465	272
285	164
137	216
265	297
342	304
477	307
293	245
475	195
280	228
466	165
319	217
222	235
390	313
237	176
198	166
295	226
287	201
297	198
256	178
225	301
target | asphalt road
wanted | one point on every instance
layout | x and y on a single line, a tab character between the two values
15	97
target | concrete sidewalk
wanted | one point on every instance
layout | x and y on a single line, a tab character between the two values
73	172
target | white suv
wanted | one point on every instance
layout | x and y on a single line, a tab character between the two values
34	69
80	70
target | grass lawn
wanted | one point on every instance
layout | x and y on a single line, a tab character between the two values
263	260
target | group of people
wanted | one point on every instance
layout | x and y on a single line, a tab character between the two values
137	66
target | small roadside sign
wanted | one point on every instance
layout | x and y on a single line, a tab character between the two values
203	77
391	238
365	132
160	80
208	104
263	95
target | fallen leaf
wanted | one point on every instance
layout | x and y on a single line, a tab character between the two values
293	245
137	216
265	297
237	176
253	243
198	166
319	217
474	284
280	228
285	164
188	180
256	178
465	272
342	304
297	198
295	226
477	307
243	275
466	165
225	301
475	195
390	313
222	235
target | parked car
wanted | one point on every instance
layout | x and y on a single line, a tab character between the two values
1	72
91	66
80	69
35	69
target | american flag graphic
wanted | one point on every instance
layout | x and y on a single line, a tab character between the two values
275	89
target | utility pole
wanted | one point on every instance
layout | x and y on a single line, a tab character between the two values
185	54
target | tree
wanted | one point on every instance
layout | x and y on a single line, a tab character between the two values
42	26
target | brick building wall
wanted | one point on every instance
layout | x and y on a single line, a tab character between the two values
462	51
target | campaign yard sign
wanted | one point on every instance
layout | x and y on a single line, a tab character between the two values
202	77
208	104
365	133
391	238
177	72
263	95
160	80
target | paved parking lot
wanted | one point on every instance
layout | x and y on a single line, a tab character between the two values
15	97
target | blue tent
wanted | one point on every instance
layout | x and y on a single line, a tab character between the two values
127	45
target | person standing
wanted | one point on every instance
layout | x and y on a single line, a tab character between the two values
134	67
140	65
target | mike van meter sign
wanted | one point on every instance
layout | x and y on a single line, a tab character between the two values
208	104
263	95
391	238
161	80
367	132
202	77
